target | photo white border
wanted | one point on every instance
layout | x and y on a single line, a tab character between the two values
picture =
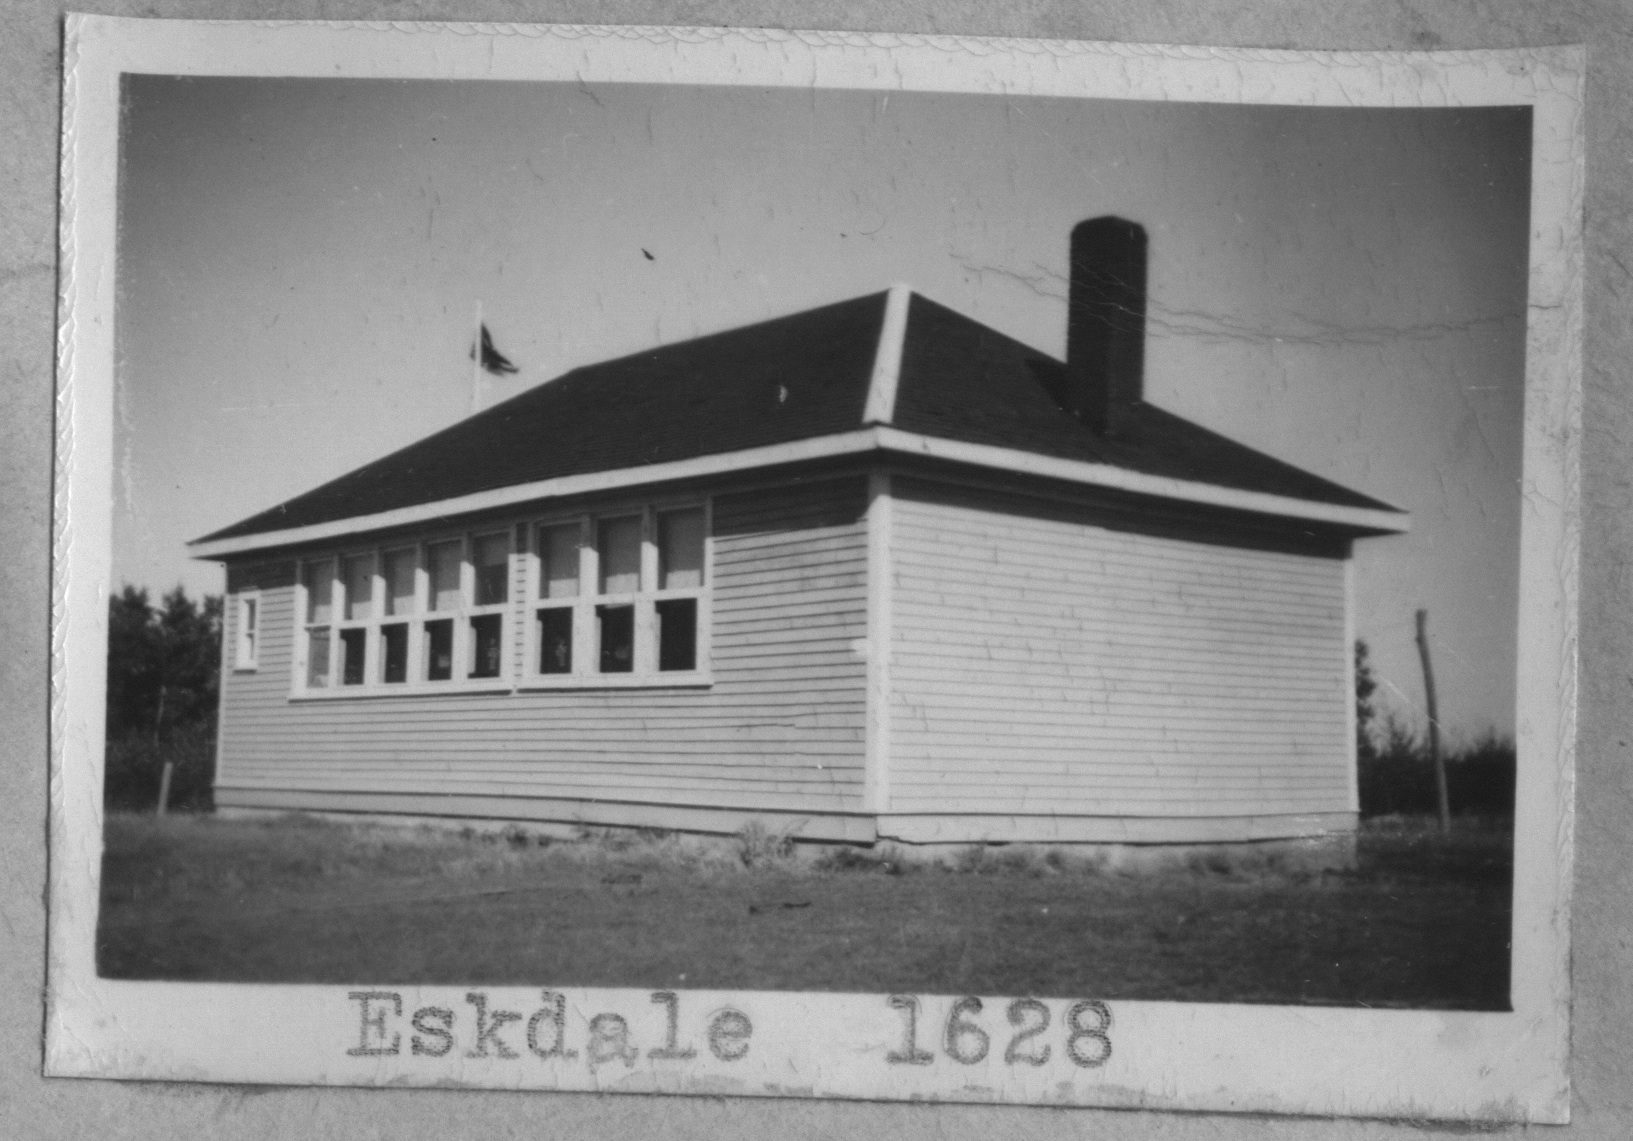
1311	1060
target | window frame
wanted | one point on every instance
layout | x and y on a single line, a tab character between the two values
470	609
304	626
410	619
416	617
246	635
341	596
586	655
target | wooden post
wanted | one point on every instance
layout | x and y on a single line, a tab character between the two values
164	787
164	777
1434	724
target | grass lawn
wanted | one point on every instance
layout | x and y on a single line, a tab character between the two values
1422	922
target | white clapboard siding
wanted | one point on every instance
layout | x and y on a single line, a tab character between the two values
1043	664
781	728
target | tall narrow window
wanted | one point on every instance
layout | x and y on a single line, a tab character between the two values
247	641
618	555
442	563
397	574
490	563
558	587
680	582
357	579
318	580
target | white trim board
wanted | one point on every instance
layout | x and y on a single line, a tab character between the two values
880	638
887	364
878	438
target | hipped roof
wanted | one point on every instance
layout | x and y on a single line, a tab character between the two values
908	373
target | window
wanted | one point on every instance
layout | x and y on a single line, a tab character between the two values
318	579
491	573
645	606
429	613
618	558
442	565
399	593
356	610
246	639
559	558
610	599
680	582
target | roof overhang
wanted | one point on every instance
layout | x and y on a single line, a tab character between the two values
879	438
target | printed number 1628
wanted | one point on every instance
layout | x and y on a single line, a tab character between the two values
966	1041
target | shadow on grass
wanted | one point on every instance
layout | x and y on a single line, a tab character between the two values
1422	921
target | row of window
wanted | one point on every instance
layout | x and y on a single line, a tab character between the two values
610	595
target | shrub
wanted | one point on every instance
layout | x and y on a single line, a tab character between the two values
758	845
135	768
845	858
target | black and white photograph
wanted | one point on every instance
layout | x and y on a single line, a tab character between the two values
600	569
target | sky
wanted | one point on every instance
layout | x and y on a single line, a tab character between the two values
302	262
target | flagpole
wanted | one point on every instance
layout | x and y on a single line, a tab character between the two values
476	363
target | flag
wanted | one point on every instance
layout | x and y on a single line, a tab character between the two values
492	359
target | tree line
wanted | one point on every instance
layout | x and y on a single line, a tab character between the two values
164	677
1395	773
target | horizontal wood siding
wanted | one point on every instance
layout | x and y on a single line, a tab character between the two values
781	728
1043	664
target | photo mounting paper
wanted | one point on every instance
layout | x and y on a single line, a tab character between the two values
823	565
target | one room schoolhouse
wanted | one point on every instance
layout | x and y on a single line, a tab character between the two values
869	571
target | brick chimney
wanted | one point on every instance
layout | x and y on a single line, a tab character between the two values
1105	322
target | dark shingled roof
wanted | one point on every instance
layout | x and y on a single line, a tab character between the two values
792	378
963	381
782	380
